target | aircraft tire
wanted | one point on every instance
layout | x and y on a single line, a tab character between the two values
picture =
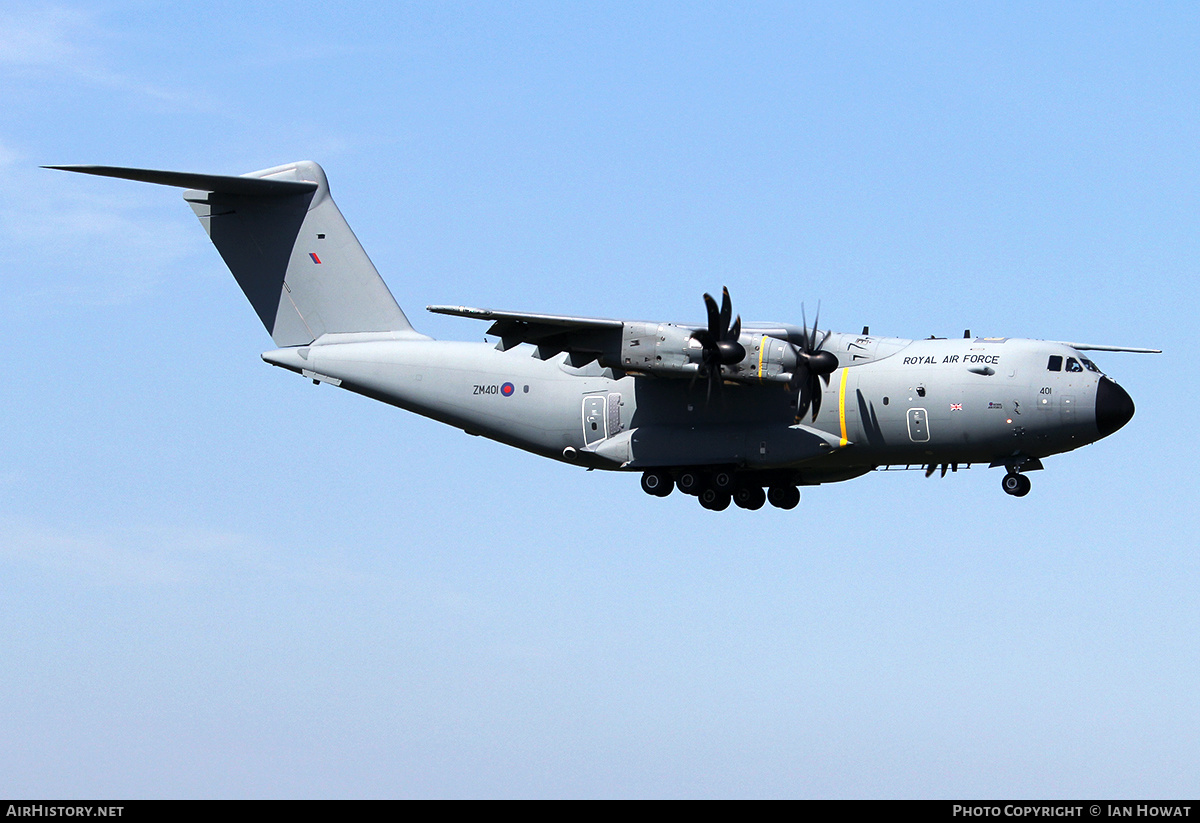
658	484
690	481
784	497
1015	484
724	481
749	497
714	500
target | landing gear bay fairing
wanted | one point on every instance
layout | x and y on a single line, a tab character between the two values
725	411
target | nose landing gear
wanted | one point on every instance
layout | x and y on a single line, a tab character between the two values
1017	485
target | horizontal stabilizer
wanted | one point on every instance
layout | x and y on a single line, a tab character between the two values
246	186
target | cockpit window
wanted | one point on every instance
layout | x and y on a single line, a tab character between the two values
1055	363
1091	366
1073	364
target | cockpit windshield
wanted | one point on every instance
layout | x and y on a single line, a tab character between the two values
1055	363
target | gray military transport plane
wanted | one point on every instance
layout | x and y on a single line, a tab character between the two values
781	406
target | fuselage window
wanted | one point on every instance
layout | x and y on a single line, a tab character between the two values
1055	363
1073	364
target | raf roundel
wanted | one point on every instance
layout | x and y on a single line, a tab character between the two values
507	389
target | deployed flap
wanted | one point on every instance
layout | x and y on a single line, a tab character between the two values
288	247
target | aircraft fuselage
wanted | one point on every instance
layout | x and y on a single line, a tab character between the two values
892	402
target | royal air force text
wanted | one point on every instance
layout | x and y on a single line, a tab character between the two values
953	359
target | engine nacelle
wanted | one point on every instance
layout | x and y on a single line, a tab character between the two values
767	360
660	348
671	351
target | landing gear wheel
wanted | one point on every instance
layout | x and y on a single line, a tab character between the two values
1018	485
749	497
723	481
714	500
784	497
690	482
658	484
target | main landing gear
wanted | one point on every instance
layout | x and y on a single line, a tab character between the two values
1017	485
717	489
658	484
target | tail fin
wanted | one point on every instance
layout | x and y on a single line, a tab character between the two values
288	247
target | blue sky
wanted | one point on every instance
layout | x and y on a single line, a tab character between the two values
222	581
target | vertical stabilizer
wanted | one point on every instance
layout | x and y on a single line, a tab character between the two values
288	247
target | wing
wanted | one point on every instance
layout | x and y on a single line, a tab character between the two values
594	336
1098	347
591	337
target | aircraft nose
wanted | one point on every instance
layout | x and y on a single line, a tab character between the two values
1114	407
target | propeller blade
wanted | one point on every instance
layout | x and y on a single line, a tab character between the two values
714	383
803	394
719	342
714	317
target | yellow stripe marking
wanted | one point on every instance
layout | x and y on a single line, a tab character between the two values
762	349
842	404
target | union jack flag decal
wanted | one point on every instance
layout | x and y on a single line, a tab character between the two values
956	407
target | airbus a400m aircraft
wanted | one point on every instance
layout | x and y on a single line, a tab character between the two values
724	411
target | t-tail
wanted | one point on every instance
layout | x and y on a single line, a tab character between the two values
288	247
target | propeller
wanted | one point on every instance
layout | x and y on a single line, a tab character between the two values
812	365
719	342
